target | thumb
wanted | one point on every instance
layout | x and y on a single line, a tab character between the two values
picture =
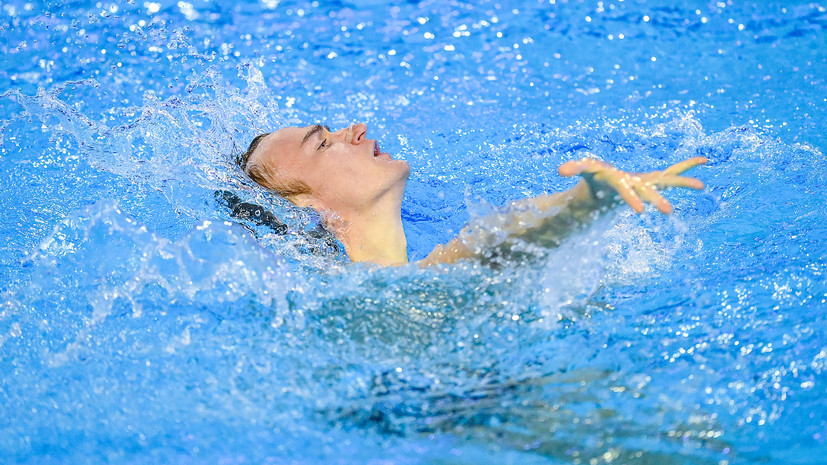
569	168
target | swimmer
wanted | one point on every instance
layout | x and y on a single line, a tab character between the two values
357	190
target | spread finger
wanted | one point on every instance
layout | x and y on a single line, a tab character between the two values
680	167
653	197
575	167
681	181
627	193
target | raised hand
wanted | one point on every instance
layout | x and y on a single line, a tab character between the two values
634	188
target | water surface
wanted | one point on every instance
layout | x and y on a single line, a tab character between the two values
141	323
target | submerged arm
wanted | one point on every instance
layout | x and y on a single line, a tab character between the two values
548	219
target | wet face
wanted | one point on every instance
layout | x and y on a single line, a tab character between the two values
344	169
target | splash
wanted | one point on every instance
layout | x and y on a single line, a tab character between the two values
140	327
186	149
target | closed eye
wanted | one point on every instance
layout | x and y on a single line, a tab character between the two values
325	143
318	129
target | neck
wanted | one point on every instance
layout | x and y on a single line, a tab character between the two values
375	236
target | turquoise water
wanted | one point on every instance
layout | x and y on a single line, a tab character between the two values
141	323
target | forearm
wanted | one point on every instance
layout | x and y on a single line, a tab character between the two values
545	220
548	219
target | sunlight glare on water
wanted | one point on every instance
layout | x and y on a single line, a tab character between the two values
141	322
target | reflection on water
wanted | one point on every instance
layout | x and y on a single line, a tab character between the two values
158	307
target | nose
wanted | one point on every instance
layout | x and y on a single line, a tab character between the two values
354	134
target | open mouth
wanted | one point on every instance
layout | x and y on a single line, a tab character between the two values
377	152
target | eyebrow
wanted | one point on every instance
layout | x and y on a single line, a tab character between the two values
314	130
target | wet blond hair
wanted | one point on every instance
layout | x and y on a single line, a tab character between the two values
266	175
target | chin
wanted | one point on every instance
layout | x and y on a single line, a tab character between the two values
404	166
404	171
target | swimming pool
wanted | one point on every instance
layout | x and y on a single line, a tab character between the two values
139	323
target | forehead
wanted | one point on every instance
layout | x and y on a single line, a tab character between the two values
283	143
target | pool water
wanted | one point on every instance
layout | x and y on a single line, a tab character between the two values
140	322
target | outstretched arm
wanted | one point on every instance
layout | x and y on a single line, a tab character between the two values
548	219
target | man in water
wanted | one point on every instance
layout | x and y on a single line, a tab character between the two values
357	190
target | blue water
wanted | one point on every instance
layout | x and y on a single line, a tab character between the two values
141	323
